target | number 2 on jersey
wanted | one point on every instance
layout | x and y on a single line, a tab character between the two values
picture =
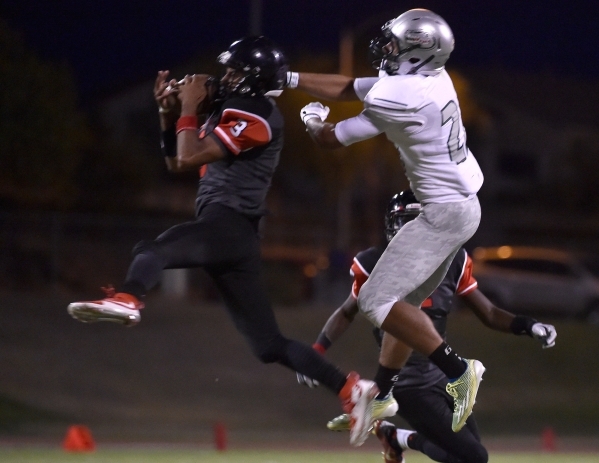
457	152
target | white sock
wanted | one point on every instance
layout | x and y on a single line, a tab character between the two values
402	437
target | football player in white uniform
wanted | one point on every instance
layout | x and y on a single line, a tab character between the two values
413	102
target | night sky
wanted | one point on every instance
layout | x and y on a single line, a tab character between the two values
110	42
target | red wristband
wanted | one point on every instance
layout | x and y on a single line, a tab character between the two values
319	348
187	123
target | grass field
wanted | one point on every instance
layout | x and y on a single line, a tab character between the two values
255	456
172	378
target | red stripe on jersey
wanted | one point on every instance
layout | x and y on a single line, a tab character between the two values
428	302
467	283
241	131
360	278
203	170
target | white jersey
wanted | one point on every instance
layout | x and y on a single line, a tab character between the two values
421	116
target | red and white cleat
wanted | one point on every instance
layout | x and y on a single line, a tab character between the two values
357	397
120	308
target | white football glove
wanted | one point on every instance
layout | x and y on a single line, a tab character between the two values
544	333
305	381
314	109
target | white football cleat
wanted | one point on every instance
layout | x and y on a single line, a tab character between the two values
358	397
122	308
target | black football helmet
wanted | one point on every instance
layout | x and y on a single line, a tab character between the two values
402	208
263	64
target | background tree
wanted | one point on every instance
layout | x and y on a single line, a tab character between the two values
42	132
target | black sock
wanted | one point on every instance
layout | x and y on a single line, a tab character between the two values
385	379
448	361
133	287
415	441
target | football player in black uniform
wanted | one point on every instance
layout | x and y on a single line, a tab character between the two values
419	387
236	150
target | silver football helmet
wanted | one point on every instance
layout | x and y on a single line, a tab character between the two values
416	42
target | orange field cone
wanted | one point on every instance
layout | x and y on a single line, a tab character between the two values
220	437
548	437
78	439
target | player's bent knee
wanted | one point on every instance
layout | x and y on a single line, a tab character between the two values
377	312
477	454
482	457
375	306
365	299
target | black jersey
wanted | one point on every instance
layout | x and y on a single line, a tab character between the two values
419	371
251	132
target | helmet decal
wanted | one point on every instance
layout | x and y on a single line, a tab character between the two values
420	38
224	57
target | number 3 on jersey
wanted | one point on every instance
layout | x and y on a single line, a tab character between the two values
239	127
450	113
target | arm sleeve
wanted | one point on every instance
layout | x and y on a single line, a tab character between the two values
467	282
362	86
356	129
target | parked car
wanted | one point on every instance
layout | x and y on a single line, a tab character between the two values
533	280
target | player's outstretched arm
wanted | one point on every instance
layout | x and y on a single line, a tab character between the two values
331	87
491	316
502	320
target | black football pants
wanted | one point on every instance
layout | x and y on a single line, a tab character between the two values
225	243
429	412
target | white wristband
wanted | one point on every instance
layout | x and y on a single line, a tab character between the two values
307	117
292	79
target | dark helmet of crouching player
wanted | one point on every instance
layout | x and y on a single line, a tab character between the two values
402	208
